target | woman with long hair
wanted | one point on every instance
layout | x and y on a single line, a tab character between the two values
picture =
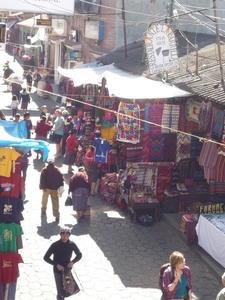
71	149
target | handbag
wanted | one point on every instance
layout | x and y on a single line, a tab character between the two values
52	137
68	201
69	285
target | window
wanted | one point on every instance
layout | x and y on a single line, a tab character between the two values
92	7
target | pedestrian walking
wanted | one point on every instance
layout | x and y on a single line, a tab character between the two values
58	131
62	252
221	294
29	80
93	168
79	186
50	180
42	129
176	281
26	118
16	88
15	50
14	105
25	99
71	149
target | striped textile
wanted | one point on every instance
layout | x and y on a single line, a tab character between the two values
170	144
183	147
205	116
156	146
155	116
219	169
196	146
217	187
207	159
182	119
170	117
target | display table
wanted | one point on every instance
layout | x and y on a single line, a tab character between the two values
143	205
211	238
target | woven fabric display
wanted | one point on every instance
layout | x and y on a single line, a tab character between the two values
146	176
216	187
208	158
170	117
196	146
183	147
205	116
145	148
128	128
182	119
169	150
156	146
163	180
133	152
217	124
146	118
155	116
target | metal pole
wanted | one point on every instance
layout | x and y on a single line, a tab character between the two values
218	43
171	12
124	28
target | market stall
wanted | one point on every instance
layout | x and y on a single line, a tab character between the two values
211	235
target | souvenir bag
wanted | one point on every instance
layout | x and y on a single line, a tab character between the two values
70	287
68	201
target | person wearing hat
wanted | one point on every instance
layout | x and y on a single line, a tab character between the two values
71	149
62	251
79	186
51	179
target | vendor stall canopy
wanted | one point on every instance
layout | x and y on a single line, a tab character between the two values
123	84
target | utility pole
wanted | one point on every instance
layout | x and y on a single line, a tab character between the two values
124	28
171	12
218	43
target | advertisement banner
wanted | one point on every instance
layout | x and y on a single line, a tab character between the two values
55	7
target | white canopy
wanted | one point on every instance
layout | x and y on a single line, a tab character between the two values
123	84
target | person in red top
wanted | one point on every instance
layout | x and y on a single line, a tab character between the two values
41	131
71	149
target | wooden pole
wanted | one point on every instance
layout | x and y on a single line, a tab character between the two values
124	28
218	43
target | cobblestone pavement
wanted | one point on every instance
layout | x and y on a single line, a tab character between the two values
121	260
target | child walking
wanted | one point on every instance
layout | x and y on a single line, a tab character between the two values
14	105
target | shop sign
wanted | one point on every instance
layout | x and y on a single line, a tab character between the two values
161	49
59	26
56	7
44	22
213	208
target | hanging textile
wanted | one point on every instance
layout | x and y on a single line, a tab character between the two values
170	117
9	267
183	147
196	146
10	209
156	146
8	234
205	116
146	118
207	159
169	149
217	124
128	128
102	148
163	180
145	148
7	155
182	119
155	116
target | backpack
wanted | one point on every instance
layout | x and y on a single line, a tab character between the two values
161	271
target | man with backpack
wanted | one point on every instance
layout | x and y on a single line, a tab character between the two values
175	278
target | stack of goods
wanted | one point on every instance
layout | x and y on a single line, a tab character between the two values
108	187
145	220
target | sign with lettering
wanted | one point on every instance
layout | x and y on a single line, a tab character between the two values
56	7
44	22
212	208
161	49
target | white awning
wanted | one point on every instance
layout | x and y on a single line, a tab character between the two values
123	84
40	35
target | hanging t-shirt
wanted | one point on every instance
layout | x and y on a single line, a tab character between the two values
15	183
9	267
10	209
102	147
7	155
9	233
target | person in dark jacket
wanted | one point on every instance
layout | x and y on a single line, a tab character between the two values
25	99
7	72
62	251
50	180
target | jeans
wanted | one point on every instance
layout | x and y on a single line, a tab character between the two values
58	282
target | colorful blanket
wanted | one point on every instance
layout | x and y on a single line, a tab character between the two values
128	128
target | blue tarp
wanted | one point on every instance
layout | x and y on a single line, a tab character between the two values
12	135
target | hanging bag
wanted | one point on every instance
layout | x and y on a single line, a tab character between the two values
70	287
68	201
52	137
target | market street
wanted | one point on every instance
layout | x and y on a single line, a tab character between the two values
121	260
